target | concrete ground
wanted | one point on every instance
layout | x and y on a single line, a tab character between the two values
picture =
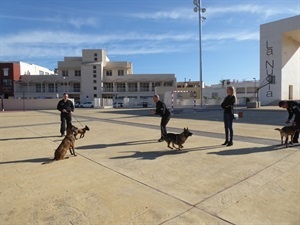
122	175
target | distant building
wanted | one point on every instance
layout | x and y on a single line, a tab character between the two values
10	72
280	60
93	76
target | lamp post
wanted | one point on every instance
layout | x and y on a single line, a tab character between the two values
198	8
255	90
64	84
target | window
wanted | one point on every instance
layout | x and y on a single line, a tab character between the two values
7	82
121	87
38	88
94	81
95	54
94	67
51	88
77	73
65	73
168	84
144	86
240	90
250	89
95	88
155	84
44	87
132	87
120	72
108	72
41	72
94	75
94	71
95	59
5	72
108	87
95	95
76	87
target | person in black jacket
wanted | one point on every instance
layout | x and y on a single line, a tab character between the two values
163	111
293	108
228	106
66	107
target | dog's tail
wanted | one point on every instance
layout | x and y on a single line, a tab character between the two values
278	129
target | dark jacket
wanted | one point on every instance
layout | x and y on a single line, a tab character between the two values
291	105
68	106
296	111
161	109
228	104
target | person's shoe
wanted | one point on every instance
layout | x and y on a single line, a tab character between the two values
295	141
160	140
230	143
225	143
62	135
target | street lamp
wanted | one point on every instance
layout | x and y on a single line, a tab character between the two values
64	84
198	8
255	89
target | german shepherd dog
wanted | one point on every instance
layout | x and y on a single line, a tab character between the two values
68	143
177	139
287	131
81	131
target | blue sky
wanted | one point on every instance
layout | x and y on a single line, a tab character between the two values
157	36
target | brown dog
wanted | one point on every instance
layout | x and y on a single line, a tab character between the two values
81	131
177	139
286	132
68	143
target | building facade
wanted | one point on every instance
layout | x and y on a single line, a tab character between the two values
280	60
93	76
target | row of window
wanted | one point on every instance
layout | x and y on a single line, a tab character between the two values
77	73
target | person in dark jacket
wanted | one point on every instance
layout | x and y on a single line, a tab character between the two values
66	107
228	106
163	111
293	108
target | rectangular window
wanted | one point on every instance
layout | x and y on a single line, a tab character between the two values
38	88
7	82
121	87
144	86
155	84
94	81
240	90
95	95
95	59
108	87
120	72
95	88
108	72
65	73
168	84
76	87
51	88
5	72
44	87
77	73
95	54
94	75
132	87
41	72
94	67
250	89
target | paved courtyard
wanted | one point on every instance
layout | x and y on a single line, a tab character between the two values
122	175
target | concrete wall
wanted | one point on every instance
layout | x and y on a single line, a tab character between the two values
29	104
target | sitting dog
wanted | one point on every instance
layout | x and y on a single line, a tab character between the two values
177	139
68	143
286	132
81	131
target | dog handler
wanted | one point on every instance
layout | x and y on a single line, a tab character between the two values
227	105
293	108
66	107
163	111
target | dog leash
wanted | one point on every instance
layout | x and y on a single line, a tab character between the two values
77	120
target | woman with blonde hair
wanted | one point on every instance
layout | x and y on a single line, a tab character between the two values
228	106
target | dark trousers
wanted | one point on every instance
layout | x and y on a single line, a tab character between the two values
228	119
163	123
65	119
296	136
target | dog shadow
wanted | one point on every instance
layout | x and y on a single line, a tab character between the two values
36	160
128	143
245	151
149	155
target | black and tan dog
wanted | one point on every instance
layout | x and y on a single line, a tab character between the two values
80	131
286	132
177	139
68	143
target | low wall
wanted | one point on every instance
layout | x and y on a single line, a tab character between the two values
29	104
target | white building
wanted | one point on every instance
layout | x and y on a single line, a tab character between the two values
280	60
93	76
32	69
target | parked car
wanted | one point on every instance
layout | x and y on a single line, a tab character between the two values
87	105
77	104
117	104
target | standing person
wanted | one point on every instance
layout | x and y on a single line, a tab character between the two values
293	108
163	111
228	106
66	107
